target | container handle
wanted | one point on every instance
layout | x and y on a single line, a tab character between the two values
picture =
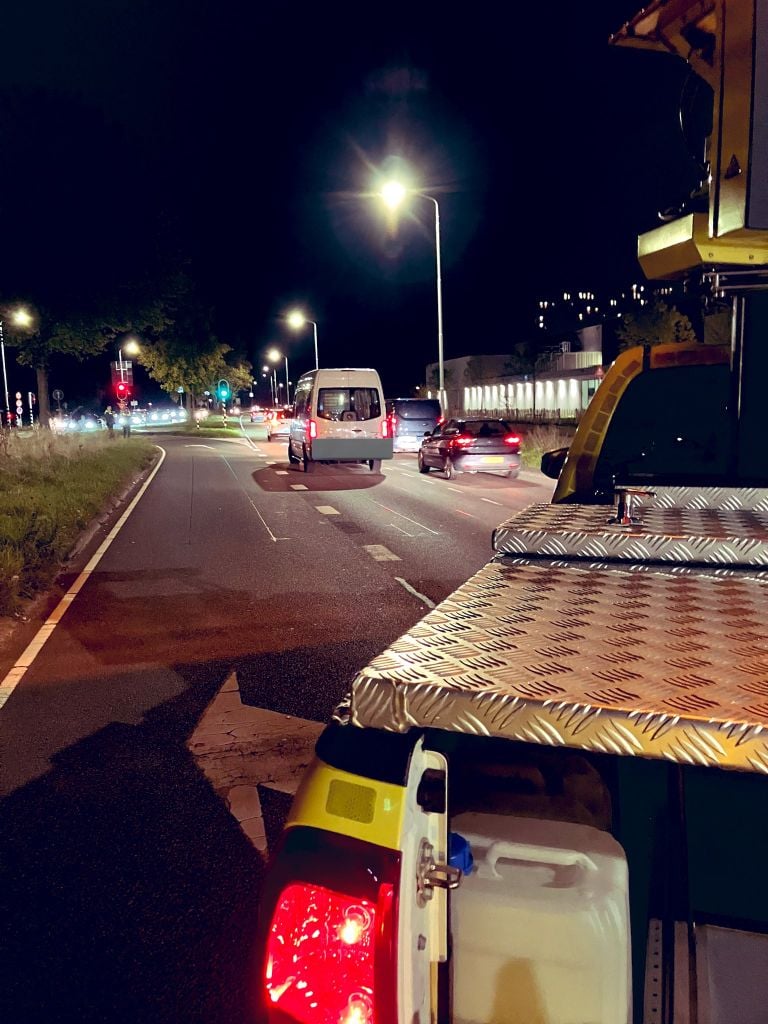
541	856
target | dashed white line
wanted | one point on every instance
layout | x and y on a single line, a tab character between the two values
327	510
298	487
407	518
281	472
381	554
491	501
450	487
463	513
16	674
412	590
401	530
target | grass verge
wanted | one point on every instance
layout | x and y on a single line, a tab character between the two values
50	489
537	440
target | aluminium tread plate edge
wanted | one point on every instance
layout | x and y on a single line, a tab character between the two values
627	659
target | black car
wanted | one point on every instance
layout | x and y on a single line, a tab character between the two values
410	419
472	446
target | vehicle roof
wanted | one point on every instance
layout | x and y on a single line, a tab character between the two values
568	641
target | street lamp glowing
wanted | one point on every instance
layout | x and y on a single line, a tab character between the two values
296	319
393	193
274	355
131	347
21	317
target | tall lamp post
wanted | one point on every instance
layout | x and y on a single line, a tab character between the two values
394	194
275	355
297	320
20	318
131	348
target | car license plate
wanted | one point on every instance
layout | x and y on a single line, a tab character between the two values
493	458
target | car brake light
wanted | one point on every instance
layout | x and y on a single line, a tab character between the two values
312	428
385	427
393	422
512	439
440	421
329	935
461	442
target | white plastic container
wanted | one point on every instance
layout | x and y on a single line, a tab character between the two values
541	925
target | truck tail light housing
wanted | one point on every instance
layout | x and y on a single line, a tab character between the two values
328	948
385	428
312	429
393	425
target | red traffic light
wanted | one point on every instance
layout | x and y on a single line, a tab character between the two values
123	391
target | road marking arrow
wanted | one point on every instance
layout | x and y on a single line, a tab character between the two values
240	749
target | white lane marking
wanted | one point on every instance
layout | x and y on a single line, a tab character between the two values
463	513
298	487
401	530
381	554
281	472
327	510
450	487
36	644
407	518
200	446
491	501
250	502
245	435
411	590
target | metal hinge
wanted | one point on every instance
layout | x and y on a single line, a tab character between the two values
430	875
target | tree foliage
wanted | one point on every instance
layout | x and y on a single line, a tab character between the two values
654	324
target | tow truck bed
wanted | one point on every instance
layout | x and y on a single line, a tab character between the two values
566	638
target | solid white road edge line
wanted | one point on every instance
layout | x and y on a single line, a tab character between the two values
16	674
411	590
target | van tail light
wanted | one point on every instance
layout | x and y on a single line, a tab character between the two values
329	952
312	429
385	428
440	421
512	439
393	424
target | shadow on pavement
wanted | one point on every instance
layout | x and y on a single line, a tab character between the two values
129	893
321	478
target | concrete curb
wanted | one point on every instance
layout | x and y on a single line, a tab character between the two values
102	518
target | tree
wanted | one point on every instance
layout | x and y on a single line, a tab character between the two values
654	324
181	363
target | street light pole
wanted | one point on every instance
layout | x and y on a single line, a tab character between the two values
296	320
5	376
440	361
287	382
314	331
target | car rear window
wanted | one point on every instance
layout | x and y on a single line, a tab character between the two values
418	409
348	403
486	428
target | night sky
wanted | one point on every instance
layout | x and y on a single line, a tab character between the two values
241	138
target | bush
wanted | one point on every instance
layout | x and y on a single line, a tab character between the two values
50	489
540	439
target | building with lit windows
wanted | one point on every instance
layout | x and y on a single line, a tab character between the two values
568	367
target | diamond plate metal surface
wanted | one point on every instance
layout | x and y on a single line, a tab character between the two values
681	533
656	662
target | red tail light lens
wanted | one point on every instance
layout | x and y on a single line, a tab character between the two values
393	424
312	429
321	955
461	441
385	427
328	946
440	421
512	439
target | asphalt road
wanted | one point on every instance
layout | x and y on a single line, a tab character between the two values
128	890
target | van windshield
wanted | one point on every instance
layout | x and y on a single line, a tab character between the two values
348	404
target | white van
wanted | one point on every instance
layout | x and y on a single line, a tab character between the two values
339	416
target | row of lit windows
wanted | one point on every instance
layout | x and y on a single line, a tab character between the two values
561	394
